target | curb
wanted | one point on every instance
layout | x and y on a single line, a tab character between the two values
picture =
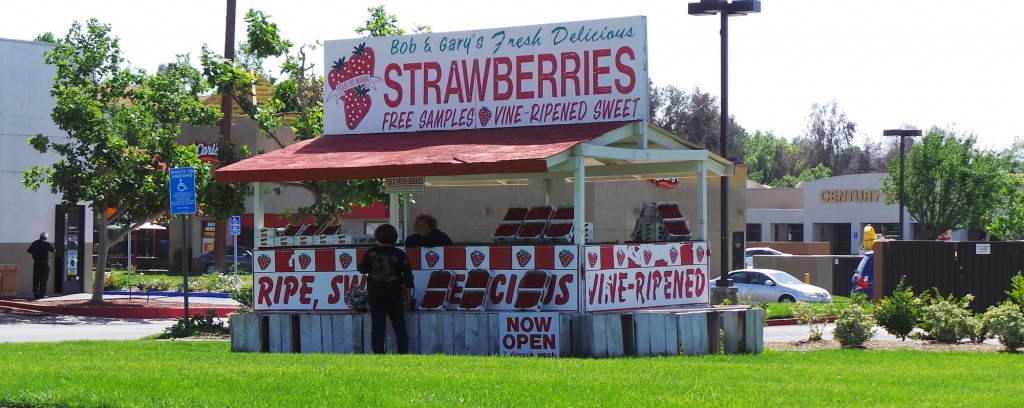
167	294
119	312
794	321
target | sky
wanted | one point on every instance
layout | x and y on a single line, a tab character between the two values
888	64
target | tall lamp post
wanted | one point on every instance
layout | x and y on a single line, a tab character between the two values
724	8
902	134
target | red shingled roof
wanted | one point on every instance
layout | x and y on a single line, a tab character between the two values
435	153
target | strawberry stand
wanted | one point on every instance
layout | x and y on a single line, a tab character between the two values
540	287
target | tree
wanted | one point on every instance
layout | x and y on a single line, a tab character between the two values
769	158
382	24
1008	220
46	37
296	101
813	173
828	133
695	117
121	126
949	185
867	157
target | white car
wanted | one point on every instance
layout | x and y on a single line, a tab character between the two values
748	255
771	285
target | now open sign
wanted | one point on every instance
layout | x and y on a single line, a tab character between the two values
529	334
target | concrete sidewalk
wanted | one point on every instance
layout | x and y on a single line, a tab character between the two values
156	307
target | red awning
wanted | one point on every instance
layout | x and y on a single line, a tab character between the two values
435	153
375	210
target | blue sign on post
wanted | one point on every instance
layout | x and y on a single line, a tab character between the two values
183	190
236	225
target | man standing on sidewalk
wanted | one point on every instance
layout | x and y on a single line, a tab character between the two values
40	250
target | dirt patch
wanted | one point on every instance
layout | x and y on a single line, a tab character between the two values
922	345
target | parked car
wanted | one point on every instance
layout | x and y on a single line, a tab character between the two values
864	276
772	285
748	255
205	260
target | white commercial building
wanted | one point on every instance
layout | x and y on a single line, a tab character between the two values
25	108
834	209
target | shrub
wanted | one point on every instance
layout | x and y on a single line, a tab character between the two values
1007	319
1007	322
160	284
899	313
949	321
197	324
1016	292
859	299
853	327
215	283
811	315
244	297
114	282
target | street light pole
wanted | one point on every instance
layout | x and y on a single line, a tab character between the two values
902	133
724	8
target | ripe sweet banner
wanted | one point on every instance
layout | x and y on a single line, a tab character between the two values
561	73
615	277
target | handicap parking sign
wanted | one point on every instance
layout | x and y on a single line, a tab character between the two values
183	190
236	225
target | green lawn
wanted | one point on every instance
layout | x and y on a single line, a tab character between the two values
121	279
785	310
204	373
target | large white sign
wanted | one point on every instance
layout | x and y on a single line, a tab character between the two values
562	73
528	334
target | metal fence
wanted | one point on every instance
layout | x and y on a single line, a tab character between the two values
982	269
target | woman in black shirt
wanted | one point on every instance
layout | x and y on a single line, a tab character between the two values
426	234
388	283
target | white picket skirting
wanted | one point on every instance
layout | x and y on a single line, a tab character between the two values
733	330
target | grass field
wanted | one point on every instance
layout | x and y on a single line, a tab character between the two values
785	310
206	373
122	279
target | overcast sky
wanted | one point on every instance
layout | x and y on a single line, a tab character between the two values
887	63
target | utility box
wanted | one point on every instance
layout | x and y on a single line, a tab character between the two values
9	280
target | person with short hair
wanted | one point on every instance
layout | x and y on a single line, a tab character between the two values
388	283
40	250
426	234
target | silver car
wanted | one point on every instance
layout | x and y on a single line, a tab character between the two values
748	255
772	285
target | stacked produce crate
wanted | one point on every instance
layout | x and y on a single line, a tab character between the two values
659	222
509	226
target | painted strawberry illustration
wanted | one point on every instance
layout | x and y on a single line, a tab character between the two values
357	104
620	257
338	73
673	254
700	254
264	261
304	261
565	257
349	78
523	257
477	258
485	116
647	257
346	259
432	258
362	60
592	258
